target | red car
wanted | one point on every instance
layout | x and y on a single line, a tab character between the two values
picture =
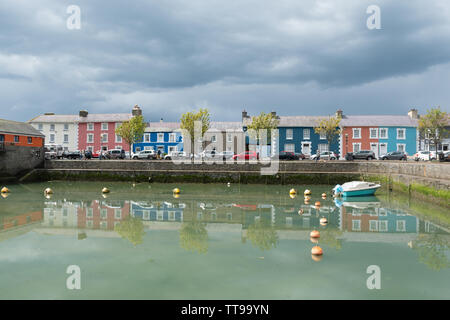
248	155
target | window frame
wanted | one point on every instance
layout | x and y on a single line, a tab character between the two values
353	133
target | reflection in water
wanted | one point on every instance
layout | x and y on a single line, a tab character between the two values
432	249
131	229
262	235
194	237
331	237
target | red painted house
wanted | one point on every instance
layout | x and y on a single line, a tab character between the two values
98	131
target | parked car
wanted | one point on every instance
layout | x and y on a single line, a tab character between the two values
326	155
362	154
145	154
210	154
72	155
227	155
175	155
114	154
444	156
394	155
247	155
287	155
53	151
425	155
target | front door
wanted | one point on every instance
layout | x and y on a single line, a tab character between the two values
374	148
383	148
306	148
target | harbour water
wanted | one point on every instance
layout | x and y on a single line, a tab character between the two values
214	241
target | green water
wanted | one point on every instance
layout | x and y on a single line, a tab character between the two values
216	242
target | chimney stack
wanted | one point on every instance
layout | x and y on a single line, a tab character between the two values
339	113
413	114
244	115
161	120
274	114
83	113
136	111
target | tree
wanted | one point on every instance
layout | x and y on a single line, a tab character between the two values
132	131
432	249
265	121
329	127
194	237
131	229
188	120
433	125
262	235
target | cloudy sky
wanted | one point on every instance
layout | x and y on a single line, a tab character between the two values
170	56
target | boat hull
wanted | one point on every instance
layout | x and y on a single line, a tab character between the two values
358	193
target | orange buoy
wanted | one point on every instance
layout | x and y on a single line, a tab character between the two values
307	198
317	251
314	234
317	204
306	201
314	240
307	192
323	220
300	211
324	195
316	258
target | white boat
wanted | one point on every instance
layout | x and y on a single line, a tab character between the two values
356	188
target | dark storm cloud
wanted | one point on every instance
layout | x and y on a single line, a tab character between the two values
169	56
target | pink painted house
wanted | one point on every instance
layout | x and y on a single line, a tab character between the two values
98	131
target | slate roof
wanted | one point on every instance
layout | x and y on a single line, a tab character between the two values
299	121
378	120
162	126
94	117
20	128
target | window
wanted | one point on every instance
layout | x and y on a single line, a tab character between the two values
90	126
52	138
213	138
172	137
356	147
66	138
173	149
289	134
104	137
229	137
373	225
40	126
118	124
323	136
356	225
401	226
117	214
148	148
66	127
323	147
401	133
382	225
118	139
373	133
103	213
356	133
289	147
90	138
147	137
30	140
306	134
52	127
138	149
383	133
401	147
160	137
104	126
288	221
90	213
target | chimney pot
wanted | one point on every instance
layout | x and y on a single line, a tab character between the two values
83	113
339	113
413	114
136	111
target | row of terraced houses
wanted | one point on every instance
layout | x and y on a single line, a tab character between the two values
379	133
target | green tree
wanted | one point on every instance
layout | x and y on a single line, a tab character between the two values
265	121
433	125
329	127
131	229
187	124
194	237
262	235
132	131
330	237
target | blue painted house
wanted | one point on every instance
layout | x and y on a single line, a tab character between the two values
163	136
164	211
296	134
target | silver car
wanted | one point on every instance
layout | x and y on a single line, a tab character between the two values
145	154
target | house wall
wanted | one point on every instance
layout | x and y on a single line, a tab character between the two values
97	145
59	133
165	144
298	138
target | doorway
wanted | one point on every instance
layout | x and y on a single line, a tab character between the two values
374	148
